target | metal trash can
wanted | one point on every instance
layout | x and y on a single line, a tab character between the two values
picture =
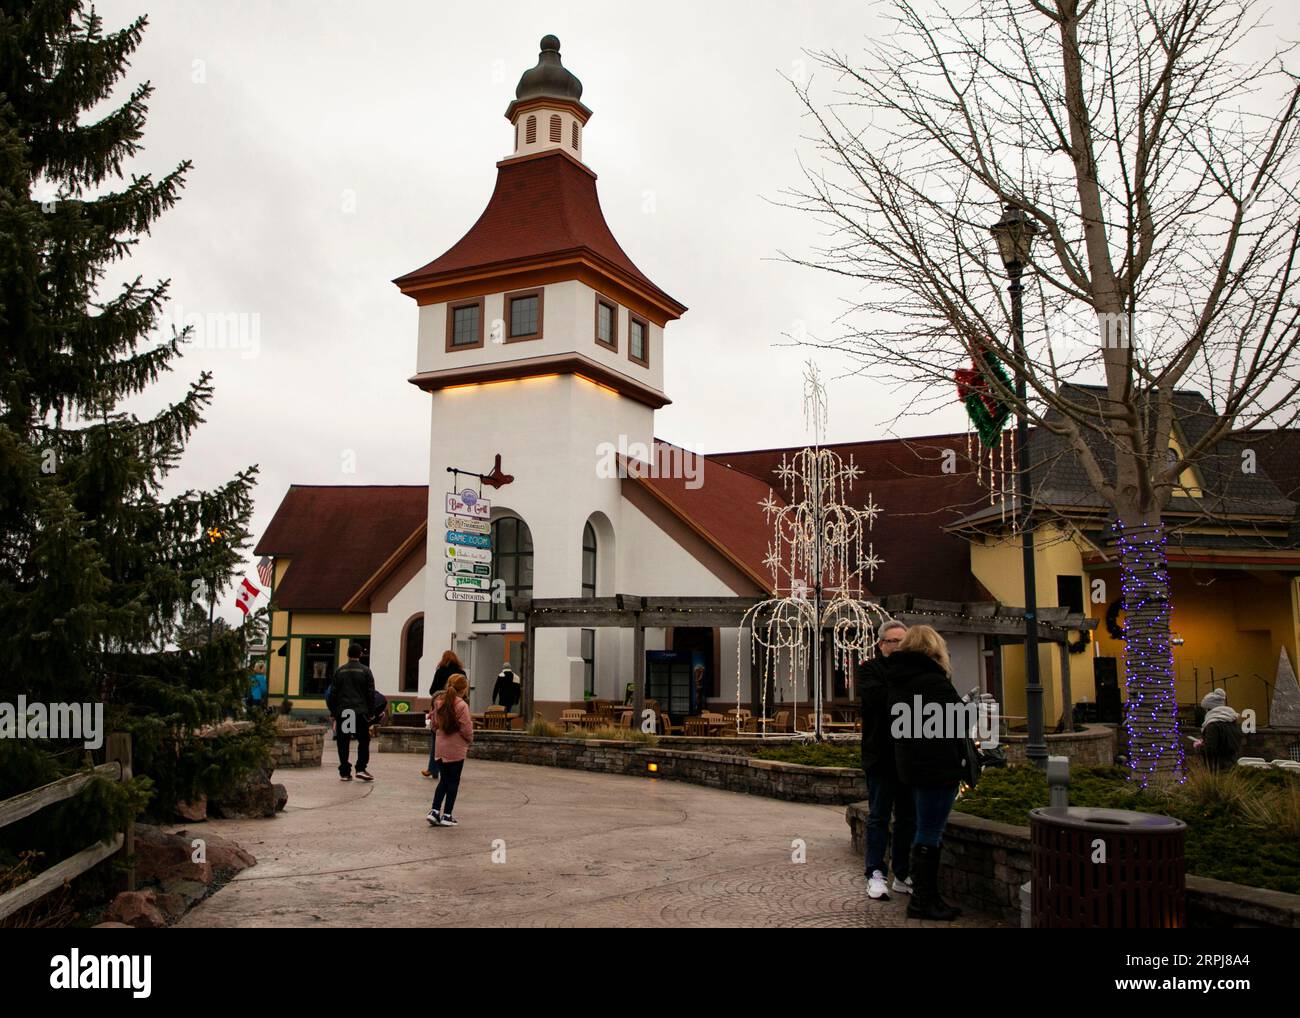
1106	869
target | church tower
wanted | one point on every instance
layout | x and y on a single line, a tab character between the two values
540	341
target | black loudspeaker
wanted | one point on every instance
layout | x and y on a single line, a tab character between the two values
1105	676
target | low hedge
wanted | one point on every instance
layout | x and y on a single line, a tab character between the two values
1241	824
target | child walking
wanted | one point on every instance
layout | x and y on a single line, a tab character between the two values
454	729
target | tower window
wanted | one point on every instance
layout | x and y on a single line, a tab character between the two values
465	324
575	136
512	564
606	323
524	315
638	344
530	130
555	128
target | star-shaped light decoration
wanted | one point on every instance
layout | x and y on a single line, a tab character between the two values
872	562
769	505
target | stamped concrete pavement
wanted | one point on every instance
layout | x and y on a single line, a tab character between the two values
542	846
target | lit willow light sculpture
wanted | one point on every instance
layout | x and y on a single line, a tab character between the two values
820	557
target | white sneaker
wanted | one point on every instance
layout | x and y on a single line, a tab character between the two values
902	886
876	886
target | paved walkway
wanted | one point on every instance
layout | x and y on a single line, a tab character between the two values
541	846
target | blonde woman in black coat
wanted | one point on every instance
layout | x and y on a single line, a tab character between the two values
930	759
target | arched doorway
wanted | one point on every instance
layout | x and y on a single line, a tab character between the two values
412	651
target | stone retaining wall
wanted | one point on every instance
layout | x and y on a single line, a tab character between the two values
985	862
299	747
1271	743
717	769
1092	747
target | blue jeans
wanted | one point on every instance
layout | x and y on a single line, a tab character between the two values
933	804
886	795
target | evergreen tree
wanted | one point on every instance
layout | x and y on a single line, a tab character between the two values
97	564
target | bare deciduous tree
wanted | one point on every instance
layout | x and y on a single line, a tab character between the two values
1160	169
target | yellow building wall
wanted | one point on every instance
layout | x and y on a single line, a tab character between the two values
1230	627
998	564
285	673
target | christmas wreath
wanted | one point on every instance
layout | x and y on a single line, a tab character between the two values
1085	638
1112	619
987	411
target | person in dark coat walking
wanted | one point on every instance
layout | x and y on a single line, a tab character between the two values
506	690
930	757
886	794
353	698
447	667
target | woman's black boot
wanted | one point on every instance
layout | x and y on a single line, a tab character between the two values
925	902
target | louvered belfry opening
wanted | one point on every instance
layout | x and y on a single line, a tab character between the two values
556	128
530	131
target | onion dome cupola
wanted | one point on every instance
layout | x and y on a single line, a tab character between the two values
547	112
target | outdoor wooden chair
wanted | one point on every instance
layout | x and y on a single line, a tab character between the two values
751	726
569	717
782	723
496	721
625	719
695	727
666	726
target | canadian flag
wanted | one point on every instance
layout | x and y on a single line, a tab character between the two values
246	595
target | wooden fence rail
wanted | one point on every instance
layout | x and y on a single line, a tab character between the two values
118	768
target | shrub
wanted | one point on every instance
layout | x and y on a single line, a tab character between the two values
824	754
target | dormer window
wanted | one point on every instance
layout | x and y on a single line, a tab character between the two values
465	324
530	130
556	128
606	323
523	315
638	340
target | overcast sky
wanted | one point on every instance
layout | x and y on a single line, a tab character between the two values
339	145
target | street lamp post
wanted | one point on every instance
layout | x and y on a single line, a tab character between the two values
1014	233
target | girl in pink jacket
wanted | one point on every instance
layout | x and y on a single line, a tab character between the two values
455	728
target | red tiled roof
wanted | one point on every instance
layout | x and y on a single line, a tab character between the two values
543	206
724	509
904	478
337	536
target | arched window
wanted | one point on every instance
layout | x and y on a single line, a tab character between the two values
512	564
555	128
412	651
588	561
530	130
575	136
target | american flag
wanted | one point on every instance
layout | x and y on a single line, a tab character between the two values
264	570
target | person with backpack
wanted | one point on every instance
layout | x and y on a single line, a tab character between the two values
449	665
933	764
353	698
455	731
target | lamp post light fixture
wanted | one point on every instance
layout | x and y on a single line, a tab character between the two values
1015	233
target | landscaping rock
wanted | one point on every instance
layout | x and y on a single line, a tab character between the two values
173	906
281	797
160	858
193	811
222	853
253	797
189	890
138	909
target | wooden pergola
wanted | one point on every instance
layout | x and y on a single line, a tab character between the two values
639	613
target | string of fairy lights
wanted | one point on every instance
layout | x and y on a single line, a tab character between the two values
1151	713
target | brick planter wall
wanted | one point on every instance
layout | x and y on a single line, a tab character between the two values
985	862
1092	747
730	771
298	747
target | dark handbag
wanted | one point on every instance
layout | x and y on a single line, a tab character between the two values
971	763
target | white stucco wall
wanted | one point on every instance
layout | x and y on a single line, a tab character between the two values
386	630
568	326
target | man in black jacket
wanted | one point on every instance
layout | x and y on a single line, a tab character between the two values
886	793
354	697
